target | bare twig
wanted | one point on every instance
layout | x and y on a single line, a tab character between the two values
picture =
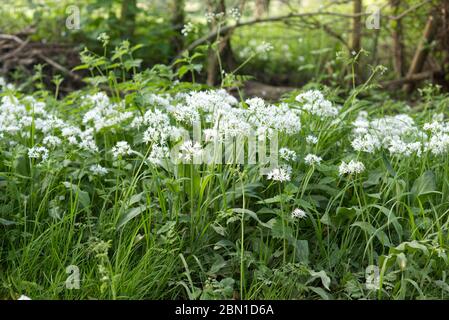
15	51
411	9
212	35
23	43
411	79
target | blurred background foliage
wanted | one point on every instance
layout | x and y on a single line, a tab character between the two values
305	47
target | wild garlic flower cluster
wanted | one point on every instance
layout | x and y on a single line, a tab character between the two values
165	121
17	117
281	174
189	150
269	117
220	111
211	16
353	167
438	144
188	28
314	103
98	170
311	139
254	47
5	85
121	149
40	153
235	13
14	116
287	154
312	159
170	117
400	135
298	214
103	113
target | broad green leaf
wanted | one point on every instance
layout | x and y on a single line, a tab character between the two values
83	196
130	214
166	227
302	250
253	215
6	222
319	291
368	228
325	280
388	165
425	184
411	247
280	231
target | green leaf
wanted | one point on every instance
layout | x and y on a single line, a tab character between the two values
81	67
325	219
325	280
128	64
411	247
319	291
218	264
373	179
6	222
302	251
345	214
368	228
219	229
136	199
183	70
388	165
279	231
425	184
253	215
166	227
130	214
443	285
83	196
223	244
276	199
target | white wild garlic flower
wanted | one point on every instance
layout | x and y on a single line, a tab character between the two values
299	214
312	160
353	167
121	149
281	174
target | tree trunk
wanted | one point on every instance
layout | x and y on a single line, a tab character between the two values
356	43
128	17
262	6
177	21
398	42
422	50
224	50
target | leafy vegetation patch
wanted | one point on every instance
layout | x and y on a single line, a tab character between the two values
109	181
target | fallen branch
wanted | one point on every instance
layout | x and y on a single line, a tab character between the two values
15	51
422	50
22	45
412	79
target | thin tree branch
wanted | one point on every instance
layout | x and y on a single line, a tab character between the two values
403	14
226	29
51	62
